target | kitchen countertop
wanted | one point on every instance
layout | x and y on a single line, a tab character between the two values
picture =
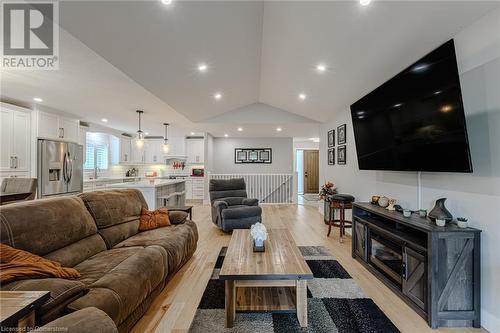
107	179
147	183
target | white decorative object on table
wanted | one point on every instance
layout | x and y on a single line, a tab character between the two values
258	232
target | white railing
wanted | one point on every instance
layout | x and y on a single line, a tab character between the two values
267	187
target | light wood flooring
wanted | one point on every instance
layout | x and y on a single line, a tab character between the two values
175	307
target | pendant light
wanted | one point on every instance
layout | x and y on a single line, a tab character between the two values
140	133
166	146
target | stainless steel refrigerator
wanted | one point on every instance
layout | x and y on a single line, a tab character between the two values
60	168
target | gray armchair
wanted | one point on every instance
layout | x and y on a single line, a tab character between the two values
231	209
19	185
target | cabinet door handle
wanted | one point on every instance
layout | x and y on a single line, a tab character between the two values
62	132
11	165
16	162
125	158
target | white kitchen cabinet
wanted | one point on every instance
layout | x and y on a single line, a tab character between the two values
198	188
56	127
137	152
189	189
195	150
48	125
125	150
15	140
70	129
177	142
154	152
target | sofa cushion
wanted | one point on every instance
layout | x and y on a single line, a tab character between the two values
177	216
115	212
88	320
121	279
45	226
154	219
178	240
18	264
62	291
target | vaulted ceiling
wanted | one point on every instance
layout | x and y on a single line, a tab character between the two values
261	52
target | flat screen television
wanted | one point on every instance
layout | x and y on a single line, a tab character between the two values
416	120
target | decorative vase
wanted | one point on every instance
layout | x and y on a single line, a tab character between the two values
259	246
392	202
440	212
383	202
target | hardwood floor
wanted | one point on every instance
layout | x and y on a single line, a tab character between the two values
174	309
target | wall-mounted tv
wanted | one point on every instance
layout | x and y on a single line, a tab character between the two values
416	120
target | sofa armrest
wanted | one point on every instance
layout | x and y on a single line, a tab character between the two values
250	202
220	204
87	320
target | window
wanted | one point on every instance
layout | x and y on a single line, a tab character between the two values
96	151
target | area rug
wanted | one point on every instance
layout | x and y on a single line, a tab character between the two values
335	304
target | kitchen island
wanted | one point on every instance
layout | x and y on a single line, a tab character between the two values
158	192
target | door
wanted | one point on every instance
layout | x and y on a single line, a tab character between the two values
70	129
154	151
52	167
48	126
137	151
195	150
359	240
75	168
311	171
415	277
21	141
124	150
6	158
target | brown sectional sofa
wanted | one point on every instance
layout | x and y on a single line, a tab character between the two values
122	269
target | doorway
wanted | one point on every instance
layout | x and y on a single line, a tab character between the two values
311	171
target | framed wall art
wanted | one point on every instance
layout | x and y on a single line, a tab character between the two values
341	134
331	138
341	155
253	155
331	156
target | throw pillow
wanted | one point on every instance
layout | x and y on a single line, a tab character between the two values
154	219
17	264
177	217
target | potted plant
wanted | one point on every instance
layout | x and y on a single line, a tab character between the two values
328	190
462	222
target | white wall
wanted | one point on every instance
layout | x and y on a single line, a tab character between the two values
223	155
476	195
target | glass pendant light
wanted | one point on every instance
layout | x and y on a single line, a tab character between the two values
140	134
166	146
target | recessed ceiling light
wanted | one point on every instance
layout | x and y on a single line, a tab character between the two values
202	67
226	135
146	133
365	2
321	68
314	139
38	99
192	133
240	129
302	96
166	2
217	95
104	120
279	129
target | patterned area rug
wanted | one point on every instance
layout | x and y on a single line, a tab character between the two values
335	304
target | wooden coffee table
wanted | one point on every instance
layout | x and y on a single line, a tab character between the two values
17	309
270	281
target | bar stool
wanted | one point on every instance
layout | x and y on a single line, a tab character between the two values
340	202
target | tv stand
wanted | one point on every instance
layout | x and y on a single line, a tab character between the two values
435	270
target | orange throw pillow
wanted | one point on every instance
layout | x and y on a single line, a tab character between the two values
154	219
17	264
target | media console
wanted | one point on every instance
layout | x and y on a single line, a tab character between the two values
435	270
